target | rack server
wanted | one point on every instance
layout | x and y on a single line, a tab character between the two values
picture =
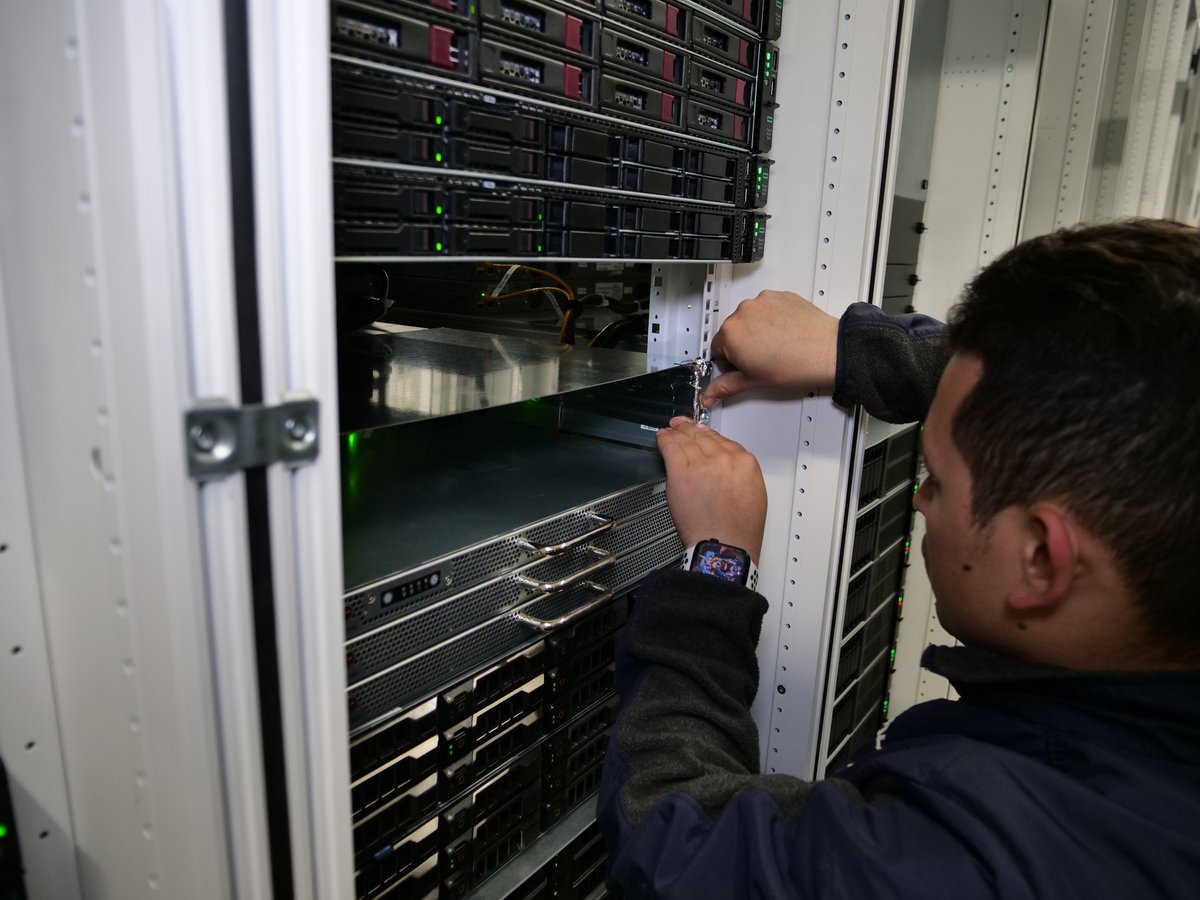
447	793
863	655
651	118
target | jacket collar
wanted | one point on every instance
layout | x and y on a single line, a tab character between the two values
1151	712
971	666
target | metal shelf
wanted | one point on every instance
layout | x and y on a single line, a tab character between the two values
403	377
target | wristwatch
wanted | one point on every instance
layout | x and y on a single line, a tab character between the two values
729	563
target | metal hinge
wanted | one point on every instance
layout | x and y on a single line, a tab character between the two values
222	438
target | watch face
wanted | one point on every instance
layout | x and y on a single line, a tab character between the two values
722	561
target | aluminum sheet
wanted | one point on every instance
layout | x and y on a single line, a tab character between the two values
392	379
416	493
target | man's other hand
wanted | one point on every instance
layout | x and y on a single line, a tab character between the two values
776	340
715	488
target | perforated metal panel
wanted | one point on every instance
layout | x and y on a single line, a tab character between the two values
416	677
434	623
481	562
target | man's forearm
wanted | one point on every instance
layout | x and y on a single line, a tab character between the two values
688	674
685	745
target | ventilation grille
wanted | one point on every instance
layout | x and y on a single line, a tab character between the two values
417	677
375	652
365	610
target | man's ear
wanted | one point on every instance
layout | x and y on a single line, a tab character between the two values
1049	558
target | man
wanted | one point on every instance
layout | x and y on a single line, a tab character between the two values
1061	505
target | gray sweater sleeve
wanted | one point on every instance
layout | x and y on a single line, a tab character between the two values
688	673
889	364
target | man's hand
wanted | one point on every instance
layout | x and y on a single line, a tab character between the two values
715	488
776	340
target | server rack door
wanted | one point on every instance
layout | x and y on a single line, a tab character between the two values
32	741
287	47
145	689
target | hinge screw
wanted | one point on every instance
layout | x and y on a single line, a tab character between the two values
298	429
203	438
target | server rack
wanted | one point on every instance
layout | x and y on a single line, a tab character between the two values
471	532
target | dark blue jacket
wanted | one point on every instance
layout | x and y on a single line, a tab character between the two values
1038	782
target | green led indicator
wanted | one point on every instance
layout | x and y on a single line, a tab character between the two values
3	830
437	120
438	246
768	56
539	217
539	248
885	706
437	157
893	656
438	210
352	441
760	168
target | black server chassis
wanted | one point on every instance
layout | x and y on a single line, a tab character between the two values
463	782
616	66
632	58
616	190
449	783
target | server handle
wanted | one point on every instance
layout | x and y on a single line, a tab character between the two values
604	559
606	524
603	596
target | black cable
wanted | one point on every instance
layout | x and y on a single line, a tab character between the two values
571	310
614	332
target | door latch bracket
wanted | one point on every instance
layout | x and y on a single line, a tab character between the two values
222	438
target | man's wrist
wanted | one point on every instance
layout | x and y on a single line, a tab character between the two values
726	562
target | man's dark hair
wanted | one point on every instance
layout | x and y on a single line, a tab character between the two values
1090	395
